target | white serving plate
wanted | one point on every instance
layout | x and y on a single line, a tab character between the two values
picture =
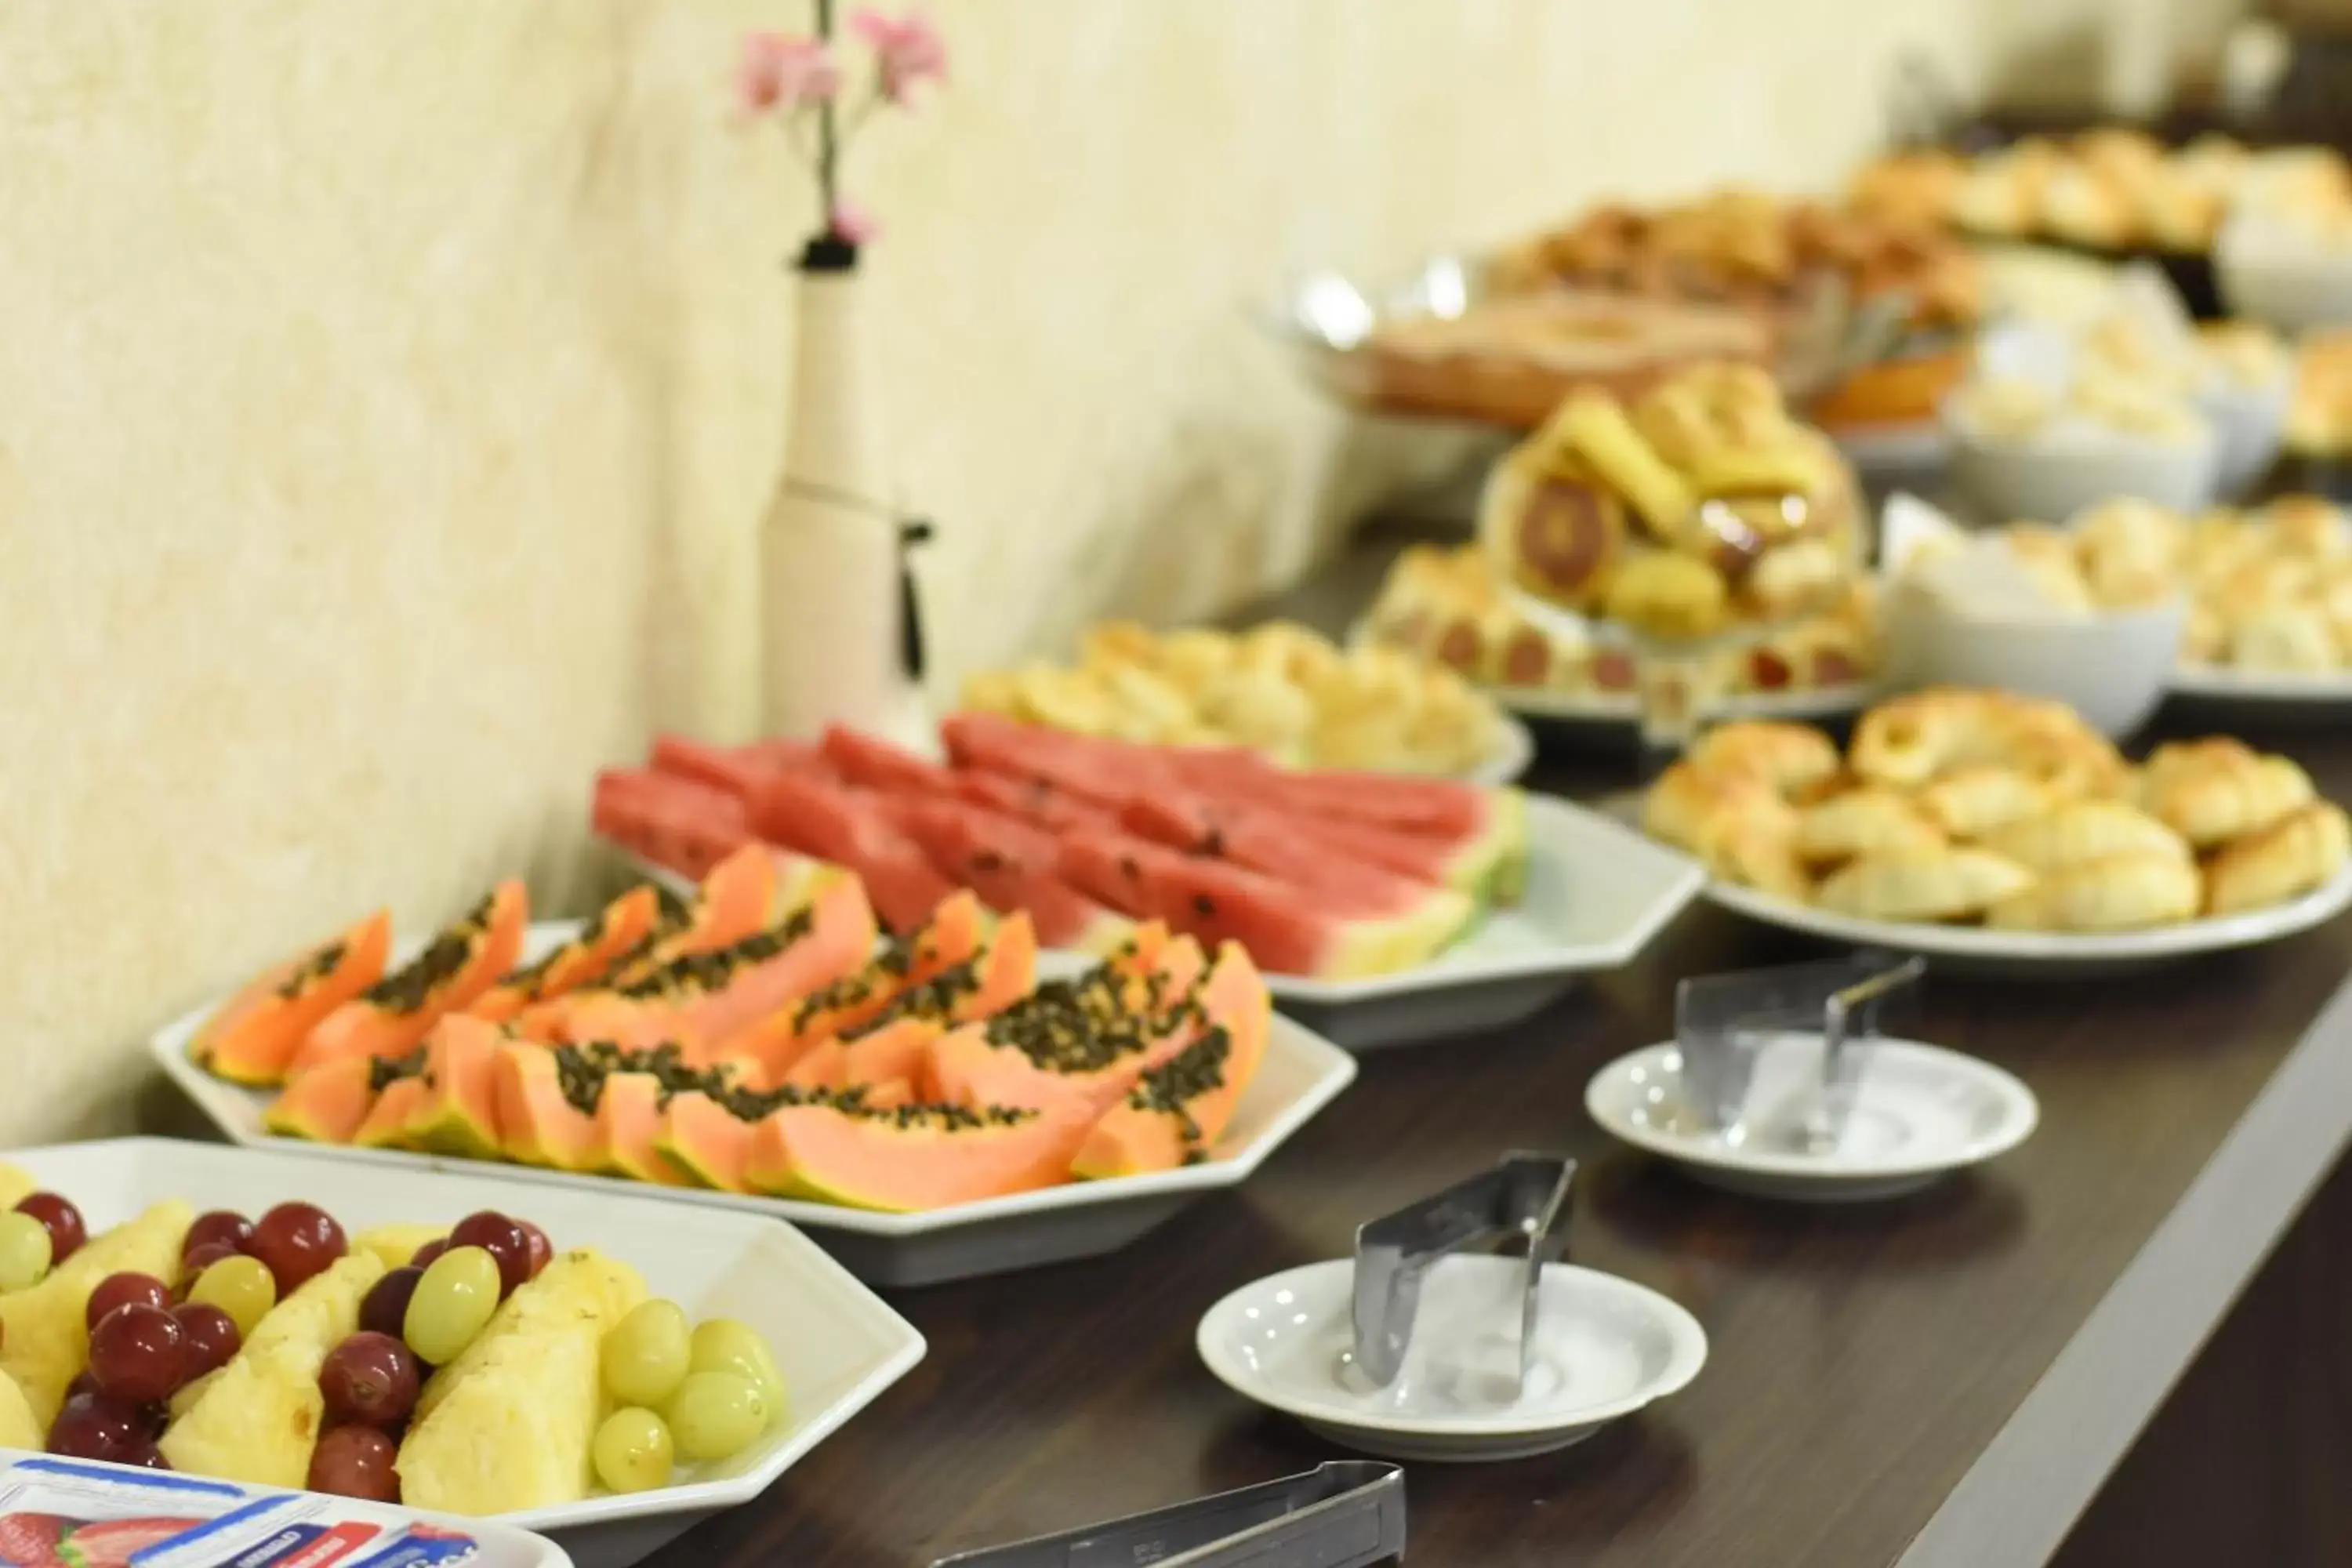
2024	954
1597	893
2263	696
1920	1112
1622	710
1604	1347
838	1345
1514	751
1300	1075
1896	450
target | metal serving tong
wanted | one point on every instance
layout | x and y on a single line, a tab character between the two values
1523	1200
1344	1514
1723	1022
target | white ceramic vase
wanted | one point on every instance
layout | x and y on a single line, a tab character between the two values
833	642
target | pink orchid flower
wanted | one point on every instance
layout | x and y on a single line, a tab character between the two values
908	52
851	222
784	72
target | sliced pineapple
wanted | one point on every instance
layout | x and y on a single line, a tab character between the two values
509	1423
258	1419
16	1185
581	1280
17	1427
396	1244
44	1342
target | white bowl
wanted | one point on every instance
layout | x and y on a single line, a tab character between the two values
2113	667
2055	475
2250	422
2270	277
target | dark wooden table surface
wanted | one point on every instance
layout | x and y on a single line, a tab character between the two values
1863	1360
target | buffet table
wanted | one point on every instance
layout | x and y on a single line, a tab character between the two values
1944	1379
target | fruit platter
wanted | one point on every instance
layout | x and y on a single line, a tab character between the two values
760	1044
562	1361
1999	831
1380	908
1278	689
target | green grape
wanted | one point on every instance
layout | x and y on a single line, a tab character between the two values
242	1287
632	1451
715	1415
722	1345
455	1298
23	1250
645	1353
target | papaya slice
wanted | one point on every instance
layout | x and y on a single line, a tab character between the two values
746	893
458	1113
705	1140
386	1126
1088	1039
628	1130
824	1066
256	1033
895	1042
898	1049
546	1107
618	929
324	1104
907	1158
1177	1111
955	934
390	1018
713	996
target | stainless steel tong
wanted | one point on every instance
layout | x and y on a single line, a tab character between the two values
1722	1022
1345	1514
1523	1200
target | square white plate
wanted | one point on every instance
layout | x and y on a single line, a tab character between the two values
838	1345
1597	893
1300	1075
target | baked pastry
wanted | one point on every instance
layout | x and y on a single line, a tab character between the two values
1944	884
1791	758
2120	892
2081	831
1869	821
1693	808
2302	850
1970	802
2225	797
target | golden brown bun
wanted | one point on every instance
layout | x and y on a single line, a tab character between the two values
1934	885
1908	390
2303	850
2121	893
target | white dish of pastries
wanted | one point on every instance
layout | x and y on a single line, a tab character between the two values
2270	589
1997	832
1279	688
1448	606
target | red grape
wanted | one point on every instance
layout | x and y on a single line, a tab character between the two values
61	1220
356	1461
212	1336
82	1383
385	1311
120	1290
542	1251
428	1252
296	1241
92	1427
155	1418
369	1380
503	1240
145	1455
218	1227
138	1354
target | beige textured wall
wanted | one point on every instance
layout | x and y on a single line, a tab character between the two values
389	390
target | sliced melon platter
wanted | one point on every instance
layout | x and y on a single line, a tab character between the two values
1382	910
761	1044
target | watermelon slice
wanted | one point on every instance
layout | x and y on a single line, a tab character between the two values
849	828
879	766
1300	847
1031	800
1287	929
1288	847
737	769
1104	773
1011	865
670	820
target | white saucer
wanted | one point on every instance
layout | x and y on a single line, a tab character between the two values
1920	1112
1605	1347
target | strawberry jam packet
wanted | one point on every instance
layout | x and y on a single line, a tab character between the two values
69	1513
